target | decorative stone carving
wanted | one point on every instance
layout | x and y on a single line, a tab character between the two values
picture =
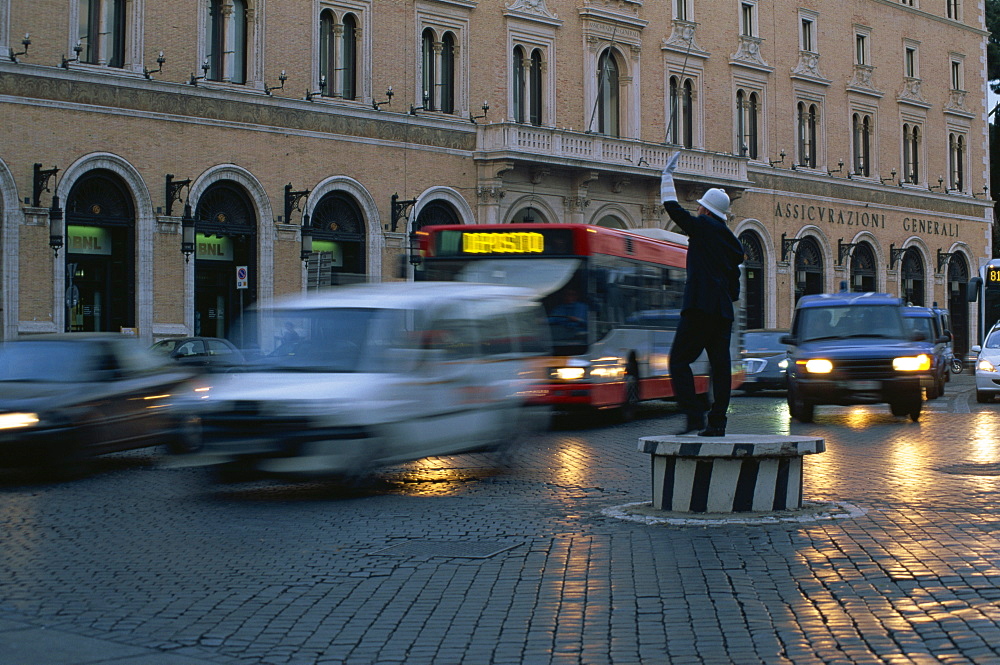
808	65
911	91
749	51
863	80
682	36
531	7
490	194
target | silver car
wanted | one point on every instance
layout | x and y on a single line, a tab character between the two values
988	366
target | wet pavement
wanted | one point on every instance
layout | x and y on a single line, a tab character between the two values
482	559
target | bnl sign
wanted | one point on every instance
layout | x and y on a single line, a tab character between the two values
241	277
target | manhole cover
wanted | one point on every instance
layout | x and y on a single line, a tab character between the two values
988	469
447	548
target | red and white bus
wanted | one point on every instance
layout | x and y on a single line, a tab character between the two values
612	296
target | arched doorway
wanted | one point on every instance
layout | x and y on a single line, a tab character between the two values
338	241
100	254
611	222
808	268
958	304
753	264
226	234
864	277
912	276
436	212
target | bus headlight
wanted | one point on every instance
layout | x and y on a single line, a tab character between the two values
920	363
569	373
818	366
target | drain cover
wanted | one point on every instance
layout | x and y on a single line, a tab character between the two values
447	548
988	469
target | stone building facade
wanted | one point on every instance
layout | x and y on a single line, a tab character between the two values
852	138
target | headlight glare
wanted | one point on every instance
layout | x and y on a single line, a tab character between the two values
985	365
569	373
819	366
920	363
15	420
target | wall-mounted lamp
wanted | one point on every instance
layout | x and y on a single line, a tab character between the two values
204	68
148	73
307	238
894	255
78	49
788	245
26	42
388	100
322	89
55	226
415	257
943	259
281	77
414	109
486	109
173	191
931	188
187	233
840	167
985	190
892	176
400	210
844	250
292	201
774	162
40	183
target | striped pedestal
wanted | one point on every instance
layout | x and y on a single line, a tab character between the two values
731	474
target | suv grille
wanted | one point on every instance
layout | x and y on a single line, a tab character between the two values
870	368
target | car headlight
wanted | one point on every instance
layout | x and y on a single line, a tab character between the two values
985	365
569	373
817	365
16	420
920	363
783	364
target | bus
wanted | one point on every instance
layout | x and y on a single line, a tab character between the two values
612	298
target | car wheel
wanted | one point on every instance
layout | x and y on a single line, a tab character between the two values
187	437
914	411
799	408
941	384
983	397
898	408
933	391
627	411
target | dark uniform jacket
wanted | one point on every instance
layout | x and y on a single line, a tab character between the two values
713	262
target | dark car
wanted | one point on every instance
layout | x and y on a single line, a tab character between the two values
853	348
67	397
765	359
926	323
210	354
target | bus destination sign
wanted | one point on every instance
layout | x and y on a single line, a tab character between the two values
515	242
509	242
993	274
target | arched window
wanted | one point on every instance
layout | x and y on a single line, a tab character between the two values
101	32
753	265
436	212
862	131
608	107
956	162
327	50
912	275
863	274
447	102
338	241
428	69
911	153
958	303
520	89
349	61
220	29
747	118
535	88
680	128
808	268
808	117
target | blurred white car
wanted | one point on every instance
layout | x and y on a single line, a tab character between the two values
988	366
368	375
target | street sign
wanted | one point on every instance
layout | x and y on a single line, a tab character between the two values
241	277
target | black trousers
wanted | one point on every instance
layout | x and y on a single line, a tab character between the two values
699	331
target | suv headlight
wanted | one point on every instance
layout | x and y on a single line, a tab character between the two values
816	365
17	420
920	363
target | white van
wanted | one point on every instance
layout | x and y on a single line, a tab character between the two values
368	375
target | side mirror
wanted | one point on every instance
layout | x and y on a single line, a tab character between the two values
943	339
976	348
787	340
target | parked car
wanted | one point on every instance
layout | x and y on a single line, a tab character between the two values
988	366
67	397
765	359
211	354
378	374
926	323
853	348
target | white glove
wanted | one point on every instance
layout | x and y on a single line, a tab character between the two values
667	190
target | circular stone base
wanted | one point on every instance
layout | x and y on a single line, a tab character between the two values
811	511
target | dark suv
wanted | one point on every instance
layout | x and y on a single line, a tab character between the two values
926	322
853	348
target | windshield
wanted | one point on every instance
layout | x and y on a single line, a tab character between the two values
849	321
924	326
763	342
993	341
331	339
49	362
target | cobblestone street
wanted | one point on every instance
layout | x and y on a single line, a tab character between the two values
473	559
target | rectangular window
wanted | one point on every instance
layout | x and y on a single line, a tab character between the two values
807	35
860	49
952	8
910	62
747	20
681	10
956	75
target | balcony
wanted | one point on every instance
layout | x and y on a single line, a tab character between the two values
564	148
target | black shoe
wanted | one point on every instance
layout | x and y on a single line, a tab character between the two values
713	431
693	425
